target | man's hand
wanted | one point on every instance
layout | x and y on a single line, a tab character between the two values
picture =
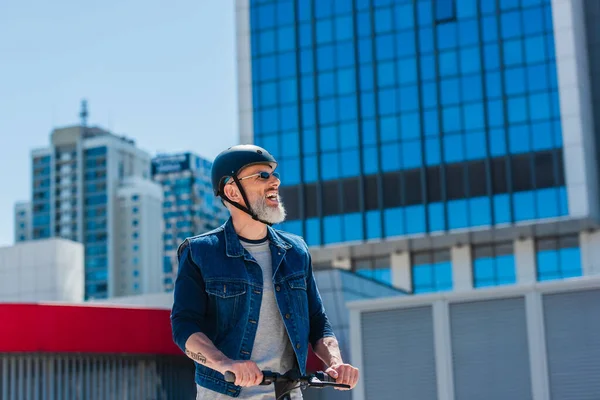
343	373
246	373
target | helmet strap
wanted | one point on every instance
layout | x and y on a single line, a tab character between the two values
247	209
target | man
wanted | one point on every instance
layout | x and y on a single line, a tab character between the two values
245	297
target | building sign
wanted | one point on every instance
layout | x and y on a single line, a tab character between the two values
169	164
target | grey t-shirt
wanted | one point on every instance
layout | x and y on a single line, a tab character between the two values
272	349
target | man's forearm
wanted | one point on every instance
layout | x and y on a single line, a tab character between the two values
328	350
201	349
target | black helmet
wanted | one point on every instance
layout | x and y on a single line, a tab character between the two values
229	163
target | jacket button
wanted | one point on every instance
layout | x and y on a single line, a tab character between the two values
278	288
287	316
297	345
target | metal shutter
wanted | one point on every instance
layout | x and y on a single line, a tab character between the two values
572	323
490	352
398	354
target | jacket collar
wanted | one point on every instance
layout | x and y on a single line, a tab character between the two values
234	248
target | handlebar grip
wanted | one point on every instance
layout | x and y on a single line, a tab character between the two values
229	377
324	377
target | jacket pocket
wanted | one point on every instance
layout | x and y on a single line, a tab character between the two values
227	302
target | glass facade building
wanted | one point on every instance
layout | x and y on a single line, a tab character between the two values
417	122
189	206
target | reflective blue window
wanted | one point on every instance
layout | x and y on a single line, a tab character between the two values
383	20
326	84
452	120
387	101
424	13
473	116
405	44
539	106
491	56
432	151
313	231
365	51
294	227
448	63
411	154
363	23
327	111
409	98
308	115
343	28
369	132
488	6
266	41
437	221
444	10
329	138
306	61
513	52
547	203
332	229
366	77
351	163
308	91
373	224
287	91
324	31
390	157
476	145
323	8
415	219
289	118
407	71
404	17
490	29
309	141
348	135
386	74
471	88
426	40
541	135
429	94
493	265
519	139
537	77
305	35
524	206
353	227
535	51
384	47
558	257
345	54
480	211
410	126
346	81
431	272
389	129
430	121
446	36
370	160
514	79
347	105
428	67
511	24
330	166
454	147
517	109
393	222
470	60
286	39
458	214
497	142
325	58
310	169
468	31
287	64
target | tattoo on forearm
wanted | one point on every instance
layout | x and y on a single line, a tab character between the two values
196	356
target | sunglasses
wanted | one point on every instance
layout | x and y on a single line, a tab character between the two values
261	175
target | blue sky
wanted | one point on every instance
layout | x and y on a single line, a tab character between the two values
162	73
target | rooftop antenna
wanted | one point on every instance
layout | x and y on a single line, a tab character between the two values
83	114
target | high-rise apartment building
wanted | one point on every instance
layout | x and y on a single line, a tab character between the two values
189	206
75	184
22	221
138	242
435	145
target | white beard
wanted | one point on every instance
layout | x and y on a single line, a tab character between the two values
272	215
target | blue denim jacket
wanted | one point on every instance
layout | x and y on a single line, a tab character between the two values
218	292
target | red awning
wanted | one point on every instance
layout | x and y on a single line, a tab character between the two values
54	328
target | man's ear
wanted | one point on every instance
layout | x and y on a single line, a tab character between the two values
232	193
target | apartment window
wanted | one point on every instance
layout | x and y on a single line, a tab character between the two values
431	271
376	268
558	257
445	10
493	265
